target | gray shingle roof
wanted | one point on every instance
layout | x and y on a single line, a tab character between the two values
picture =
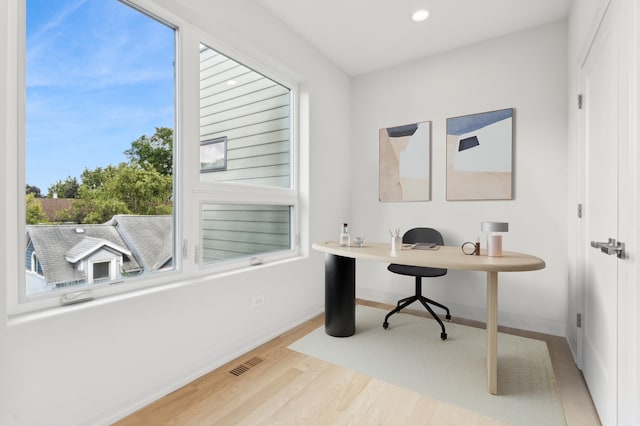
145	241
52	242
149	237
90	245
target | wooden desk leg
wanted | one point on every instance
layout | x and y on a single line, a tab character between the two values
492	331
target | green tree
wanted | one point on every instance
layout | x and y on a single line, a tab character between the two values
35	212
145	192
33	190
93	180
67	188
153	152
122	189
92	210
143	186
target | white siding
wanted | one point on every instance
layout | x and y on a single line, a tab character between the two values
231	231
253	114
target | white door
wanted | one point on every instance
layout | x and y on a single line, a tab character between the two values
599	79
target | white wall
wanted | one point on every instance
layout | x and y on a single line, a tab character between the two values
526	71
92	363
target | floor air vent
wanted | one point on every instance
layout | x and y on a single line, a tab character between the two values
243	368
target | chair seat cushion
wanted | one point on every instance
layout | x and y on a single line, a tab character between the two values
416	271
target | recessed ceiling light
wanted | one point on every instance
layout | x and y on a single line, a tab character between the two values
231	82
420	15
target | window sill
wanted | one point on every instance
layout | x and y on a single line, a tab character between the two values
103	298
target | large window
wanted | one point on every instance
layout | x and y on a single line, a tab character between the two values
100	95
142	165
245	129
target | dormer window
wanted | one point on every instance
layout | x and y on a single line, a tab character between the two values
102	271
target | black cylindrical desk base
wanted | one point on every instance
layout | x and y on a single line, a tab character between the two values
339	295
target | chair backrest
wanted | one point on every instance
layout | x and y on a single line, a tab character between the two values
423	235
420	235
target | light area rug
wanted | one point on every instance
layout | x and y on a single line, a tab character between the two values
411	354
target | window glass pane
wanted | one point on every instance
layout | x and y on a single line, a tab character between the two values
100	95
252	114
242	230
101	270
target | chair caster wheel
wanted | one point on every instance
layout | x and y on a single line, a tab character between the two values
443	336
448	317
385	325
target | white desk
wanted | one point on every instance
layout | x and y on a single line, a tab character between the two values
340	283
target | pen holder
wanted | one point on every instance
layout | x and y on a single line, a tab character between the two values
396	245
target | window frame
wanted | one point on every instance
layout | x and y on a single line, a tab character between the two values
91	273
209	143
35	263
241	193
189	192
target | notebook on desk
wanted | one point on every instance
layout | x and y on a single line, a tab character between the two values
425	246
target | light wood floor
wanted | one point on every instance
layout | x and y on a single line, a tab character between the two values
275	385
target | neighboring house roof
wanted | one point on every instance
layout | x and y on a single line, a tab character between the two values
90	245
149	237
52	242
146	243
52	206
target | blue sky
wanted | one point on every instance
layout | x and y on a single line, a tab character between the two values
99	75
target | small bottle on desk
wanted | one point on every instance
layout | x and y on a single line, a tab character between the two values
345	238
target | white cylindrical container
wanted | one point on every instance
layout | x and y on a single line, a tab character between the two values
494	245
396	245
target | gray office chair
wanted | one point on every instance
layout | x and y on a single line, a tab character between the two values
412	236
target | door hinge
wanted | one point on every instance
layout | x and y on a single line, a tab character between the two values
579	210
579	320
579	101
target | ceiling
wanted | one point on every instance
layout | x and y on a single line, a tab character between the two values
361	36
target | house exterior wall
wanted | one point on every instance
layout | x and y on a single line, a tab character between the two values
28	258
230	231
34	281
254	116
103	255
